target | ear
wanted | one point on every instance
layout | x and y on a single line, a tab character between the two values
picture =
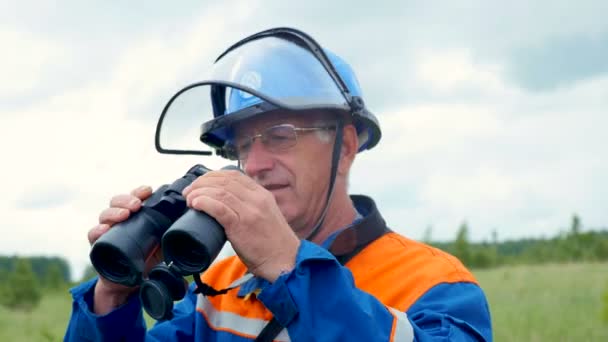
350	145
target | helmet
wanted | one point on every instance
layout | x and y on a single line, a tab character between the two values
273	70
280	68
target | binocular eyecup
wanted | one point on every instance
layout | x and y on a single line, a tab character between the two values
120	254
193	242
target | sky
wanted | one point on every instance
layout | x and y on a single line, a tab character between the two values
493	113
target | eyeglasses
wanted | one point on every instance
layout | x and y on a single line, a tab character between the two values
275	139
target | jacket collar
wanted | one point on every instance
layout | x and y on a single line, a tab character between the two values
352	239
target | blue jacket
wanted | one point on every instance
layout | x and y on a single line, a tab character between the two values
390	288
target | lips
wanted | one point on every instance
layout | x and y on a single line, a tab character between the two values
272	187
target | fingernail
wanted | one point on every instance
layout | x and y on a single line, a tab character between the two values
143	188
186	189
133	202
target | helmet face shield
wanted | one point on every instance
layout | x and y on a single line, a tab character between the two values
274	69
254	77
282	71
189	111
178	129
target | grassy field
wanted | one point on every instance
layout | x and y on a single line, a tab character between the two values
46	323
547	303
528	303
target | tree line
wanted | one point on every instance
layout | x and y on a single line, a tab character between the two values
572	245
23	280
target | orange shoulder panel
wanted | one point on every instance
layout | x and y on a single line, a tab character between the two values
220	275
394	269
398	271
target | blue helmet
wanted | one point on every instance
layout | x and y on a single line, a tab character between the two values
283	69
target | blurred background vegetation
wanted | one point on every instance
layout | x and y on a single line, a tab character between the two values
545	289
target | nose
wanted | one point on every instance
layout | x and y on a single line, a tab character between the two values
259	159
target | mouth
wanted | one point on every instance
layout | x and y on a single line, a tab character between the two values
275	187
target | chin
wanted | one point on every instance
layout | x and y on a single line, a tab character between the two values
289	213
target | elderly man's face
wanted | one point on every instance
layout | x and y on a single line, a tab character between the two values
298	176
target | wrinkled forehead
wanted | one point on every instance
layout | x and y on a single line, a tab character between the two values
258	123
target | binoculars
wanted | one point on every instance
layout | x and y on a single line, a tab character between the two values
190	241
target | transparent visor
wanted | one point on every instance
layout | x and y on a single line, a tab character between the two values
259	76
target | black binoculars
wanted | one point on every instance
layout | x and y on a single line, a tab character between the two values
190	241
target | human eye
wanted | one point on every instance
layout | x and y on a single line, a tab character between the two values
243	145
281	136
283	132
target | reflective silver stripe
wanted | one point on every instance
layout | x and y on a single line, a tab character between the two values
242	280
403	329
219	320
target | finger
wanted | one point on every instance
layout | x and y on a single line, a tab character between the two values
198	182
129	202
96	232
142	192
225	216
241	186
234	176
113	215
219	194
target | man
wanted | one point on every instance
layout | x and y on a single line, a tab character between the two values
324	264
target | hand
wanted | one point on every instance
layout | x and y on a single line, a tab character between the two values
253	222
109	295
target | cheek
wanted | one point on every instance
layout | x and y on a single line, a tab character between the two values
309	174
312	178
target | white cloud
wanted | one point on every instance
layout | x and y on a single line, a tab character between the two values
26	60
449	70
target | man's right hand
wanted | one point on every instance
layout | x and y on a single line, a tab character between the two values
109	295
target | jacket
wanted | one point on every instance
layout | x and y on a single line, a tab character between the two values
364	283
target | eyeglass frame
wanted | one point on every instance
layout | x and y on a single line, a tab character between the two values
232	151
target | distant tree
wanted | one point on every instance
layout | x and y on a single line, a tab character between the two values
601	249
427	237
53	279
89	273
41	264
483	258
3	286
495	237
575	225
462	248
575	245
22	289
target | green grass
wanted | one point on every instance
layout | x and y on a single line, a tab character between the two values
46	323
547	302
528	303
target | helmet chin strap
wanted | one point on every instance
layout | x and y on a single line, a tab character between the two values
335	160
